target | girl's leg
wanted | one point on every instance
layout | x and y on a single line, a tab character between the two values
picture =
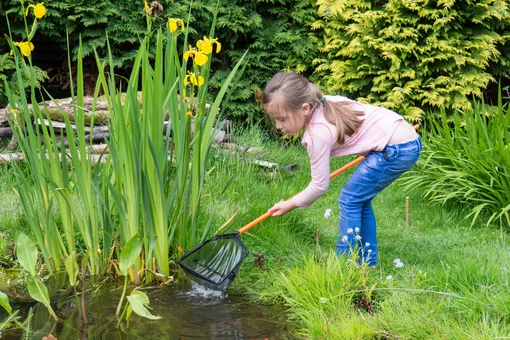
368	247
350	222
357	220
379	169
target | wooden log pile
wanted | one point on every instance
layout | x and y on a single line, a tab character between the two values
99	134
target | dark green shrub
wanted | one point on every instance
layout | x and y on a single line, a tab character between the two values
276	33
413	55
278	37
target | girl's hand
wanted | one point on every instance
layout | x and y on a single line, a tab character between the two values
282	207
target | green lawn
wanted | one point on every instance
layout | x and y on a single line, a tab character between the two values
454	283
455	279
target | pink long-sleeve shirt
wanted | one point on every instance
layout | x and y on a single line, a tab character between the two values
320	141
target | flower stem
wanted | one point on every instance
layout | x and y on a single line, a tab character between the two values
122	297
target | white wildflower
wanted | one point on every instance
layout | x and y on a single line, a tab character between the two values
369	251
398	263
357	237
356	230
389	277
327	213
349	231
344	238
367	244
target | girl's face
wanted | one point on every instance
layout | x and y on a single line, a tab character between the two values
289	122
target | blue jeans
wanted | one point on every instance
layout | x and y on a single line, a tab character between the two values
357	227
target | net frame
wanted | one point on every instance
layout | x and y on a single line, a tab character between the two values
224	282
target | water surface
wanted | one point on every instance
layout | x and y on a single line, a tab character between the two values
190	312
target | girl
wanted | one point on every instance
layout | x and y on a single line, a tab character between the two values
338	126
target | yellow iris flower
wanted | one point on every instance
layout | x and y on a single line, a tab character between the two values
206	45
25	47
195	80
39	10
172	24
15	116
146	7
199	57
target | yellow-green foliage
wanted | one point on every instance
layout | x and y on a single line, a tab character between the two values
413	55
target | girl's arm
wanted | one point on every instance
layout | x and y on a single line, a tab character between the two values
318	141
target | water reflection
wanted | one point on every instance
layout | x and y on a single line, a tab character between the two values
187	313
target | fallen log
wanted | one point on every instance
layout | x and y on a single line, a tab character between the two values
5	132
58	107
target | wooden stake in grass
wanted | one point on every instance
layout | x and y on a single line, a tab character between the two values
317	237
407	210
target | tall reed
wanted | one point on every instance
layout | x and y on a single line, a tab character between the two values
161	131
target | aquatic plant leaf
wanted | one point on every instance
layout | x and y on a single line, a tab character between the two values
39	292
129	253
4	302
72	268
27	254
139	303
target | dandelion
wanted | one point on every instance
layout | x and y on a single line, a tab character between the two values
199	58
25	47
349	231
357	237
389	278
39	10
344	238
327	213
206	45
173	24
356	230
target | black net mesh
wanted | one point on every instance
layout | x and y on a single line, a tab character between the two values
215	262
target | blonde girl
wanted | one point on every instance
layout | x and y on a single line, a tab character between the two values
338	126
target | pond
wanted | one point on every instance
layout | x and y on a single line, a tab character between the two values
188	312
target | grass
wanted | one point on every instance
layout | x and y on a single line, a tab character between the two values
12	220
455	279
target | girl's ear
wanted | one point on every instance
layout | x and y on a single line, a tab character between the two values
305	109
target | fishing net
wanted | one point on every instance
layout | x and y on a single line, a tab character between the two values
215	262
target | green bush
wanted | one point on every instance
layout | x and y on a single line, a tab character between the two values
276	33
278	37
413	55
466	162
7	74
123	21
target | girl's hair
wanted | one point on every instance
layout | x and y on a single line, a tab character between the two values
290	91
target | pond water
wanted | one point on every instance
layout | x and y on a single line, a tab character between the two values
188	312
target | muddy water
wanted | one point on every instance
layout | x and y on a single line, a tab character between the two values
190	312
